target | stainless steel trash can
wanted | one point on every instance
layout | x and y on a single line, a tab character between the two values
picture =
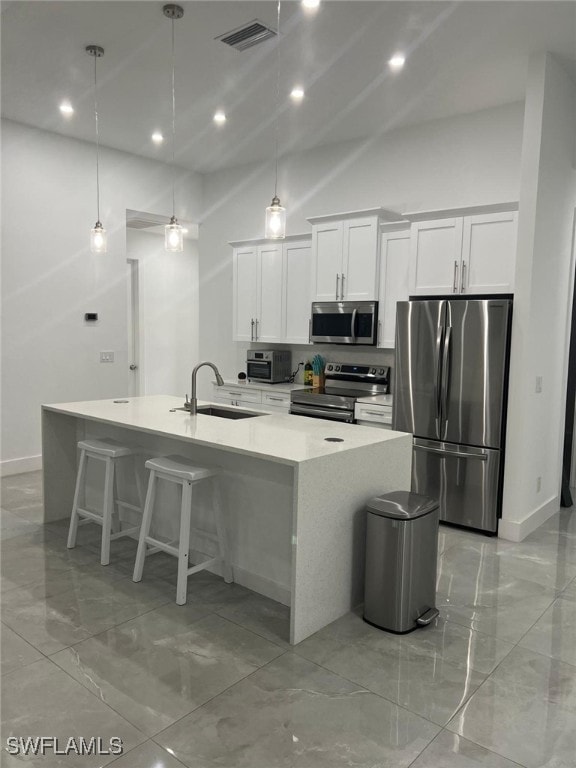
401	559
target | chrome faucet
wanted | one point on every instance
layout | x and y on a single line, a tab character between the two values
193	398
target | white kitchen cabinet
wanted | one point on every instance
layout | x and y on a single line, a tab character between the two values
394	266
266	400
345	255
268	318
470	253
245	299
327	247
271	293
360	256
489	253
436	249
296	297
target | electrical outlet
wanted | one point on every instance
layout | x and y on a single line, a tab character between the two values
106	357
538	384
538	484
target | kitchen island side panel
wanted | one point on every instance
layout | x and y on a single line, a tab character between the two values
329	528
60	435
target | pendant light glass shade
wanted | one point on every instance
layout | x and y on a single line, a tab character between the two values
97	233
275	228
98	238
173	232
173	236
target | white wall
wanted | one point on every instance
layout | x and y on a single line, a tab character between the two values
542	300
465	160
168	310
50	278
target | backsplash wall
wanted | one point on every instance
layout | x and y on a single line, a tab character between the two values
330	352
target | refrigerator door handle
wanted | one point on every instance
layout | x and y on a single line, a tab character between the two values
445	374
437	384
457	454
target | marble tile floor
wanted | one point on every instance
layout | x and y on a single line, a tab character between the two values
215	684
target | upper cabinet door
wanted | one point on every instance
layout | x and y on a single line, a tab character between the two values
270	295
394	264
327	261
489	253
360	259
245	305
297	298
435	257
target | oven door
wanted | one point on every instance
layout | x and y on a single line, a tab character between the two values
259	370
344	322
317	412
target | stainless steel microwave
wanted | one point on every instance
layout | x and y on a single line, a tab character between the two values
344	322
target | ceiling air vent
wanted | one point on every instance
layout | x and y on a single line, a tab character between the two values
141	220
247	35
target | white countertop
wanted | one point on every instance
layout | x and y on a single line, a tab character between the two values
285	439
262	385
376	400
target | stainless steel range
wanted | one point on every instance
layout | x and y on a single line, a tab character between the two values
345	383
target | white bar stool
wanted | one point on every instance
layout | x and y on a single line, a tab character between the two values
108	451
179	470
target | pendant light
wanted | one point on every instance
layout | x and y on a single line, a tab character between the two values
97	233
173	232
275	228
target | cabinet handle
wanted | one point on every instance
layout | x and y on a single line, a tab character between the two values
372	413
280	399
342	287
378	333
337	286
463	287
252	329
309	331
455	285
256	335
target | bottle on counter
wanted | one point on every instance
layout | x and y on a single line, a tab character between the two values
308	374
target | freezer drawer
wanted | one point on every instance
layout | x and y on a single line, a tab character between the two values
464	479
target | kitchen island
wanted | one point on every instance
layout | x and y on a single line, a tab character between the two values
293	490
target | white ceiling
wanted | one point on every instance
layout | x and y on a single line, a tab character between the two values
461	57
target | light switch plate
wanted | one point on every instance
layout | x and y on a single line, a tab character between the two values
106	357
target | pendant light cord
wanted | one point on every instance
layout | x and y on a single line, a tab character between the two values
277	100
173	121
97	141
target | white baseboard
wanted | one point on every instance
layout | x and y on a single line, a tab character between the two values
253	581
18	466
517	530
262	585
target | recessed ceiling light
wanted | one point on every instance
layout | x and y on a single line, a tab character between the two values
219	117
157	138
396	62
297	93
66	108
310	3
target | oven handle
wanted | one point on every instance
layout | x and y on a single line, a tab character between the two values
304	410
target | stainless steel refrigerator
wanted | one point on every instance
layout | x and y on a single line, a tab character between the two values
450	392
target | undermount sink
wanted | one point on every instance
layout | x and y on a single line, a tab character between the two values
223	413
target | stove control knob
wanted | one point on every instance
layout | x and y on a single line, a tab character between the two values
373	370
381	371
337	367
329	367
